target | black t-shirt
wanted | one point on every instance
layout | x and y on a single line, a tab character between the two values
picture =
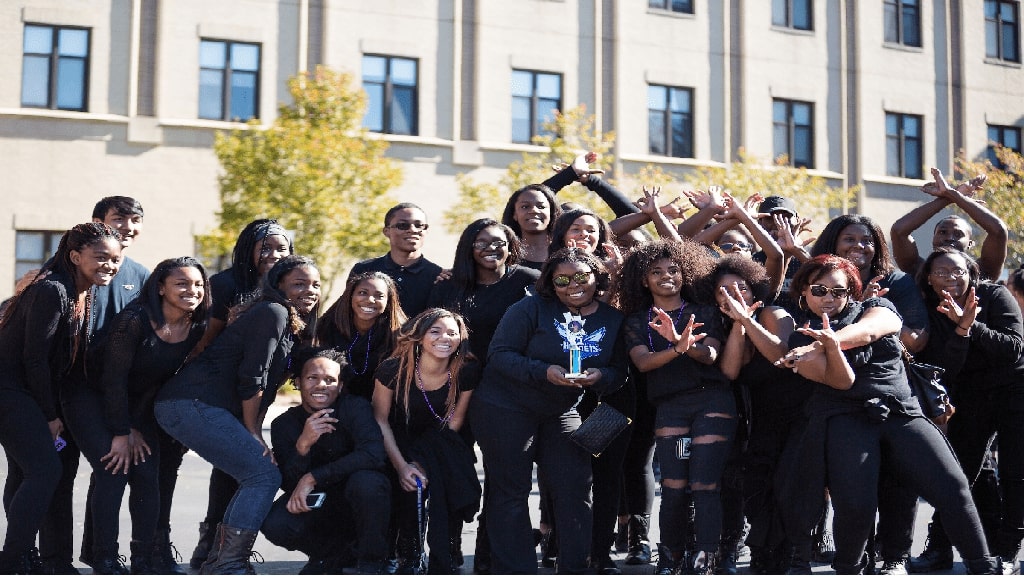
414	282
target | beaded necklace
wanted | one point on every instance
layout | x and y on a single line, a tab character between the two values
650	318
366	359
419	384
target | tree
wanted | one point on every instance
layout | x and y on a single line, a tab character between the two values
314	168
1003	194
569	133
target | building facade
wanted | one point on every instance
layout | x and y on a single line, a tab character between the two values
102	97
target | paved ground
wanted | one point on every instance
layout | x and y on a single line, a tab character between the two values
190	507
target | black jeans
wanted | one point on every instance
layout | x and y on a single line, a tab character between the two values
357	509
84	410
921	459
33	468
511	440
607	471
637	470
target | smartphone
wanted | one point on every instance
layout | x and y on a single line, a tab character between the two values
315	499
683	448
60	443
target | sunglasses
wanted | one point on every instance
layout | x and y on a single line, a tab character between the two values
728	246
563	280
403	226
817	290
484	245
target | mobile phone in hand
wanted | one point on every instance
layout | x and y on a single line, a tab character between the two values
315	499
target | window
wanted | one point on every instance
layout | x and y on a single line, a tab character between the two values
55	69
903	145
670	121
1006	136
535	98
682	6
793	130
794	14
32	248
390	85
229	79
1002	39
903	22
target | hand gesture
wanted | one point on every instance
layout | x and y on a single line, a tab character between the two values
672	210
408	474
139	446
317	424
118	459
614	259
803	230
56	427
752	202
874	289
581	165
649	203
794	357
826	336
784	235
735	305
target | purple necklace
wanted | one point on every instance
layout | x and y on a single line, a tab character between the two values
419	384
650	318
366	359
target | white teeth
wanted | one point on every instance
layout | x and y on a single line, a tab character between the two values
367	310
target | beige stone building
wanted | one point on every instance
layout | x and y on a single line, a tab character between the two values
101	97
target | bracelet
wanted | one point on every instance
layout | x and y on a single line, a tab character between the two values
964	327
676	350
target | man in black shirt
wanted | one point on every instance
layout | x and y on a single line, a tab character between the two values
330	444
405	226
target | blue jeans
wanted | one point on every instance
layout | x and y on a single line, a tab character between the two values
221	439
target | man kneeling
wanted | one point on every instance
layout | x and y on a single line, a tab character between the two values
331	445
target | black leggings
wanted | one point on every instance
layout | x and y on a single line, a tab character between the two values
637	470
920	457
33	468
84	410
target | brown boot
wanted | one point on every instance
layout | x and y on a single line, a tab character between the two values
230	553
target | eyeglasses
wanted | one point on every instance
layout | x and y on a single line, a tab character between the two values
563	280
403	226
817	290
484	244
729	246
955	273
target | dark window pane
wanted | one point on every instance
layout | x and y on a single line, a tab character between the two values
682	6
35	81
243	95
374	119
402	109
802	152
71	84
38	40
656	129
1012	139
211	94
73	43
802	14
681	147
1009	42
913	160
892	155
911	127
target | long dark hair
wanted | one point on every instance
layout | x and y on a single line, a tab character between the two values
694	262
561	227
410	347
931	299
150	298
508	216
881	262
244	271
339	317
464	275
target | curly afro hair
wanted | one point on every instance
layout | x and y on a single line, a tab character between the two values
694	262
753	273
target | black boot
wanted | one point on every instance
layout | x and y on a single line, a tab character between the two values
621	543
549	549
639	544
230	552
164	557
668	563
728	553
410	554
202	551
24	563
482	554
937	555
142	558
984	565
108	563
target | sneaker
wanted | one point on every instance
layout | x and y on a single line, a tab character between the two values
933	559
824	548
894	567
639	554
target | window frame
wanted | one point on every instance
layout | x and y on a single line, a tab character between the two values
536	128
898	10
902	141
53	67
998	26
668	114
387	106
790	8
226	80
791	128
670	6
1002	130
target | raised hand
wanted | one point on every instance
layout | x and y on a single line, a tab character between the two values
735	305
874	289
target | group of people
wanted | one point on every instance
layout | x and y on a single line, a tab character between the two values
764	374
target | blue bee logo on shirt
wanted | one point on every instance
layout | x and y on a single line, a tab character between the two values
574	335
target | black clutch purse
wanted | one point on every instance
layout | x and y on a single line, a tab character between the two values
599	429
926	383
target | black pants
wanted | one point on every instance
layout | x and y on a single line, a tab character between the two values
358	509
57	534
33	468
172	453
84	410
922	460
637	470
511	441
607	472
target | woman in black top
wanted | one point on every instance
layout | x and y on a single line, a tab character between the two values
44	333
978	337
696	412
112	417
862	416
420	401
215	405
524	410
363	323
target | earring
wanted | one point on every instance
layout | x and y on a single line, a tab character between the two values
801	302
416	351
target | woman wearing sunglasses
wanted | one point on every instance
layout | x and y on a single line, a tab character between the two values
863	414
978	337
675	341
524	410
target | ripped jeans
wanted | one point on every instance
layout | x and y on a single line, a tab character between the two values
705	420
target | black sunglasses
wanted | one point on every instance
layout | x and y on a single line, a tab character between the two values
817	290
728	246
484	244
563	280
403	226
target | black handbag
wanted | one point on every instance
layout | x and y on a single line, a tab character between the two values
926	383
603	425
